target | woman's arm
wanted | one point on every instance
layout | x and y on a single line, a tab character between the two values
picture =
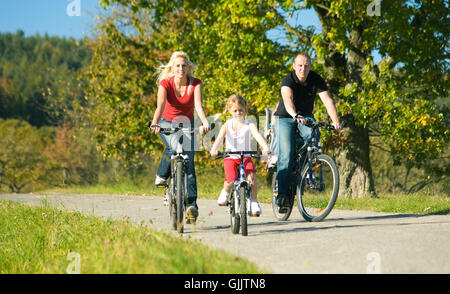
198	102
160	104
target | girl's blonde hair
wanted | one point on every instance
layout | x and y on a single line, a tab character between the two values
165	71
236	99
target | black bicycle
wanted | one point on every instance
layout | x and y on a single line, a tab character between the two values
240	193
176	190
315	181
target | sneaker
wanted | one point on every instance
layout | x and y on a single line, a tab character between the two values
223	198
160	182
282	203
191	214
253	207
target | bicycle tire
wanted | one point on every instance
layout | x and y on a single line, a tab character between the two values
243	210
179	197
172	203
234	217
275	208
316	200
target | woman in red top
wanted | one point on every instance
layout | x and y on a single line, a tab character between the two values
179	93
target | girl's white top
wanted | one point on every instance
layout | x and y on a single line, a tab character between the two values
237	140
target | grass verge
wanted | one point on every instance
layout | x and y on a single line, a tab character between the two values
48	241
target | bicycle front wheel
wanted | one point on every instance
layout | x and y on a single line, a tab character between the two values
234	215
318	189
179	197
243	209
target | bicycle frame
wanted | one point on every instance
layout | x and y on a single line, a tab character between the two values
310	172
240	182
312	148
240	193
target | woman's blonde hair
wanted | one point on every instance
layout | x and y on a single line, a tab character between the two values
236	99
165	71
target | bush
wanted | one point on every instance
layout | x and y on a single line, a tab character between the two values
21	159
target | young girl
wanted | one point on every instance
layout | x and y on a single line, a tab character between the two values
237	132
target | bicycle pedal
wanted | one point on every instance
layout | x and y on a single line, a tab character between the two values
161	186
254	214
224	204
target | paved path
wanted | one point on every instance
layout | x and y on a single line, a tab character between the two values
345	242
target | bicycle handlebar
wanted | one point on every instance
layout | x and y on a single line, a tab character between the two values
172	130
311	123
227	153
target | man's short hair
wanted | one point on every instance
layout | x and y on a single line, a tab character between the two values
304	55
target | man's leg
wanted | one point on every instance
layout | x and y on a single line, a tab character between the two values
286	148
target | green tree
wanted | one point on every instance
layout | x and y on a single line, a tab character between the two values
38	77
21	161
131	45
71	157
394	99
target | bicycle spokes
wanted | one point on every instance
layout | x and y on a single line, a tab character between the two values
318	189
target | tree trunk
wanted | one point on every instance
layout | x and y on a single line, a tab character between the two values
356	177
355	170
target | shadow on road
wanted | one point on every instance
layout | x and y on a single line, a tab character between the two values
286	227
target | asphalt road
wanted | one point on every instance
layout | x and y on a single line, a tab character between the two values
345	242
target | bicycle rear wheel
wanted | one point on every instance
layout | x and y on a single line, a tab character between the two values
282	216
243	209
179	197
318	189
234	216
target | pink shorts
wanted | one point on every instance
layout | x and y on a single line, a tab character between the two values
230	166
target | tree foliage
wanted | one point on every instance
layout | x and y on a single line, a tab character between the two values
21	162
394	99
38	77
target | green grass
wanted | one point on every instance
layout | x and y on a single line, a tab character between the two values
399	203
40	239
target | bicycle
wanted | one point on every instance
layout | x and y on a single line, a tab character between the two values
176	190
240	193
316	180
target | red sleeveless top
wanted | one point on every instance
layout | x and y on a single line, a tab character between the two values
177	106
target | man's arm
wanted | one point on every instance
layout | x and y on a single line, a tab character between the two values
331	109
288	100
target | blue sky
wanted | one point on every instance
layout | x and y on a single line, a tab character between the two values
52	17
48	16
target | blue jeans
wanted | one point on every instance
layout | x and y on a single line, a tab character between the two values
188	149
286	150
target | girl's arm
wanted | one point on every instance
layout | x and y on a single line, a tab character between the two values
259	139
160	104
219	140
198	103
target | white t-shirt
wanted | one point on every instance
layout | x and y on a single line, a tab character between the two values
237	140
